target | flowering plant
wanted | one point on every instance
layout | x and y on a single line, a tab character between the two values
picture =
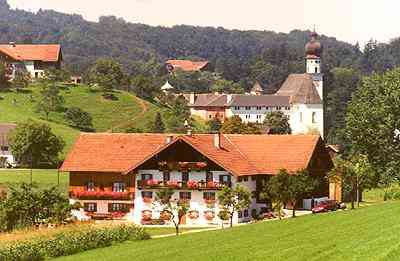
194	214
209	215
192	184
172	184
151	182
147	215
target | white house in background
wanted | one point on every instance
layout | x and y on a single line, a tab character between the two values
6	157
300	98
167	87
33	58
117	175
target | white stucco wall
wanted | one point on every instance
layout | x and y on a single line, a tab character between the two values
196	203
301	118
250	115
7	154
30	67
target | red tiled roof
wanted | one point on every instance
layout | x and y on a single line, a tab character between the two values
187	65
239	154
32	52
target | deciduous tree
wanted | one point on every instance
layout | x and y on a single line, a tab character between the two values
78	118
234	199
277	122
33	143
107	74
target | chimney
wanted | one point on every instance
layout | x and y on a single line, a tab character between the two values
192	98
217	140
12	44
169	139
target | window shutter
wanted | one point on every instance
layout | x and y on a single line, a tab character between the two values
109	207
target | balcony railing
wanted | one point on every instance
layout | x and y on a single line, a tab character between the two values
189	185
101	195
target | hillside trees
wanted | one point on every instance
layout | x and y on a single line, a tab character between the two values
50	99
107	74
234	125
78	118
372	118
4	77
158	126
277	122
34	144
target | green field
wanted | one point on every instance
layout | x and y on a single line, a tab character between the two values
126	111
368	233
41	177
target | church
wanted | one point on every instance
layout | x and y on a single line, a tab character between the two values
300	98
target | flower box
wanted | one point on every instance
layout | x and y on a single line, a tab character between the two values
147	215
165	215
209	201
151	182
209	215
192	184
172	184
194	214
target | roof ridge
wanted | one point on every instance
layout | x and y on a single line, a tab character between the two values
240	152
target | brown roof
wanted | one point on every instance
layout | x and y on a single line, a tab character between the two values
301	89
240	154
32	52
5	129
259	100
187	65
209	100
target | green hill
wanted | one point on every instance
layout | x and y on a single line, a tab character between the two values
126	111
367	233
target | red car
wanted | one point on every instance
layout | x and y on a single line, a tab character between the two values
325	206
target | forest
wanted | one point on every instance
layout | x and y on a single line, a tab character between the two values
238	58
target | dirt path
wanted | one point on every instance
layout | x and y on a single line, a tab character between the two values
144	107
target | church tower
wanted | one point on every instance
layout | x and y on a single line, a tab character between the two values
313	62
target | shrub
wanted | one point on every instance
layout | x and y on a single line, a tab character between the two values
78	118
68	243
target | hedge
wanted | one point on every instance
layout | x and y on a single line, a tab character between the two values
68	243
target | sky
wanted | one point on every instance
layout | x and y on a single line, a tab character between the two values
348	20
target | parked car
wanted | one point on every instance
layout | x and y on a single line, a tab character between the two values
325	206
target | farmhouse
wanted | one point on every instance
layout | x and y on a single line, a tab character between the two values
300	98
32	58
6	157
117	175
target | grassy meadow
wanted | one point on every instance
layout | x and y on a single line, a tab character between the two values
125	111
367	233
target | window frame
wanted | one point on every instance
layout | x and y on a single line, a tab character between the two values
119	186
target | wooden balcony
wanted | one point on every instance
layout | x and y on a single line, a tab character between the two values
101	195
181	185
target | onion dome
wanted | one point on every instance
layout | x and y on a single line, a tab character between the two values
314	48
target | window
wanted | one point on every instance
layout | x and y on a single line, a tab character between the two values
316	69
245	178
240	215
239	179
253	194
314	117
287	108
267	108
248	108
90	186
258	117
185	176
247	116
301	117
225	179
246	213
237	108
278	108
147	176
90	207
147	194
209	176
254	212
209	195
117	207
259	108
185	195
4	148
166	176
119	187
253	178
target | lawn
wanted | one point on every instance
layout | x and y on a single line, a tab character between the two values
41	177
368	233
